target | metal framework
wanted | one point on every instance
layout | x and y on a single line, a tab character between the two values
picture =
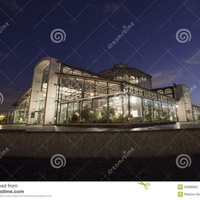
63	93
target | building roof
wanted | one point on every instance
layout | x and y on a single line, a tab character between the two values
22	97
82	69
124	66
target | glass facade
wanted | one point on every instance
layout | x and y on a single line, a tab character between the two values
122	72
196	112
120	108
21	111
86	97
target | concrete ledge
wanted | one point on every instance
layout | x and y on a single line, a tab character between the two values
116	125
101	144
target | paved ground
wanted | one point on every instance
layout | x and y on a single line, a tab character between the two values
38	128
96	169
163	169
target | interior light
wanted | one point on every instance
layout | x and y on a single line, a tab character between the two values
133	99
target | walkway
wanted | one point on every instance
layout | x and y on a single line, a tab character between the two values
39	128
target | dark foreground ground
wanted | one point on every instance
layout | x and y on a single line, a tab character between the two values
162	169
99	169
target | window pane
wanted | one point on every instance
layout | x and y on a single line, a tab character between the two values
148	108
165	112
136	109
157	111
100	110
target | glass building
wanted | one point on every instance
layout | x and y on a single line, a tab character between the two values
64	94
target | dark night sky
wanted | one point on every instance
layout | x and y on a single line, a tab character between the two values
150	45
